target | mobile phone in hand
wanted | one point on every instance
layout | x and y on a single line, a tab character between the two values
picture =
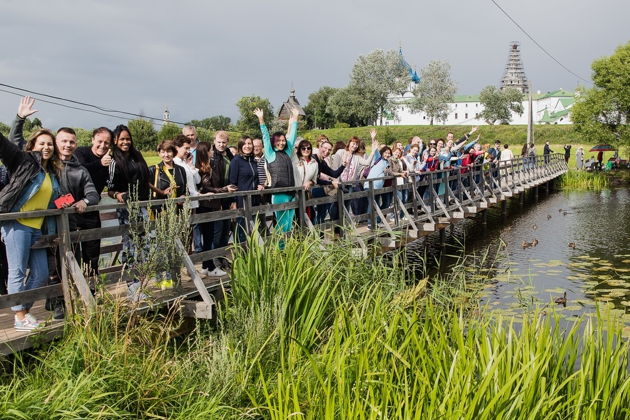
63	200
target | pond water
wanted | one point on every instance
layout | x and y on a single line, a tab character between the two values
582	247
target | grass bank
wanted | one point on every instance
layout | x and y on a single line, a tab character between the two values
313	332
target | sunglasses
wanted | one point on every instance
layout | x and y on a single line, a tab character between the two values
305	148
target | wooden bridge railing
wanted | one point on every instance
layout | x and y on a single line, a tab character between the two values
432	198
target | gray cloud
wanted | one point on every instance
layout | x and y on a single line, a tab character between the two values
198	57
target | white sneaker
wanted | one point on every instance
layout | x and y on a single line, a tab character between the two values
203	272
29	323
217	272
134	294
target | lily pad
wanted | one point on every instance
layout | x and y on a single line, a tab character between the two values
617	283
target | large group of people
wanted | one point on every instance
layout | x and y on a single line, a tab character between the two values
48	170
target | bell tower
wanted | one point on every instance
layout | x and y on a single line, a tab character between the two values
514	75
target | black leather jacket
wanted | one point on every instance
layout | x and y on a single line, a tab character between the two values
74	179
23	167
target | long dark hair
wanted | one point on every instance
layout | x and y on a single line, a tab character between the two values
202	160
122	161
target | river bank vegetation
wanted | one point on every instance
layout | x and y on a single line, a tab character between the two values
345	337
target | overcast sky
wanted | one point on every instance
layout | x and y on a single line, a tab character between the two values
199	57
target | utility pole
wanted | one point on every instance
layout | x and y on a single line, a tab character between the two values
530	116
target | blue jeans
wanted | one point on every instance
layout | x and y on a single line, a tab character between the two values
197	240
402	194
18	240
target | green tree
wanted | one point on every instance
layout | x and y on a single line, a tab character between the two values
168	131
318	116
205	134
143	134
248	123
350	106
375	77
435	90
602	113
499	104
218	122
84	137
4	129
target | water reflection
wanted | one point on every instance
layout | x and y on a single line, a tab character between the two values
574	242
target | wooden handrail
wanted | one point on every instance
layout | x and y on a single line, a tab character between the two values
475	182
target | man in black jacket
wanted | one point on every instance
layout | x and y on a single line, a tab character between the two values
76	180
96	160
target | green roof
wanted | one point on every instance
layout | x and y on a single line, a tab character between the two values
560	93
567	102
553	116
466	98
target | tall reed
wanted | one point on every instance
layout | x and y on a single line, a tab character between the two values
582	180
312	331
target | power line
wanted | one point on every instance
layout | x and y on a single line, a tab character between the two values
66	106
102	109
161	122
538	44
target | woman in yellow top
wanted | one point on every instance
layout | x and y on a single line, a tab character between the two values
33	185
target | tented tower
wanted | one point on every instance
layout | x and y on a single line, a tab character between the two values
514	75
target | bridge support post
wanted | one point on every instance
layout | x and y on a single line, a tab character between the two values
484	217
442	237
536	193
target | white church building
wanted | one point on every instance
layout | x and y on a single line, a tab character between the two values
548	108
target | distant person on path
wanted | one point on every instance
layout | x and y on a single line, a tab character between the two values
531	155
579	159
546	152
567	153
506	155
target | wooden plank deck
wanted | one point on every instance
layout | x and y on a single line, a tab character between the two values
12	341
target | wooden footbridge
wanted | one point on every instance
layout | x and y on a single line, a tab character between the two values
434	200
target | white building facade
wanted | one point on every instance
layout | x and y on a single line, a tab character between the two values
549	108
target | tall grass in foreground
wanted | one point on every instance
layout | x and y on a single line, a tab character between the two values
582	180
313	332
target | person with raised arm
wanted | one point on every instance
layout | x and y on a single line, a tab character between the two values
355	161
278	150
33	185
